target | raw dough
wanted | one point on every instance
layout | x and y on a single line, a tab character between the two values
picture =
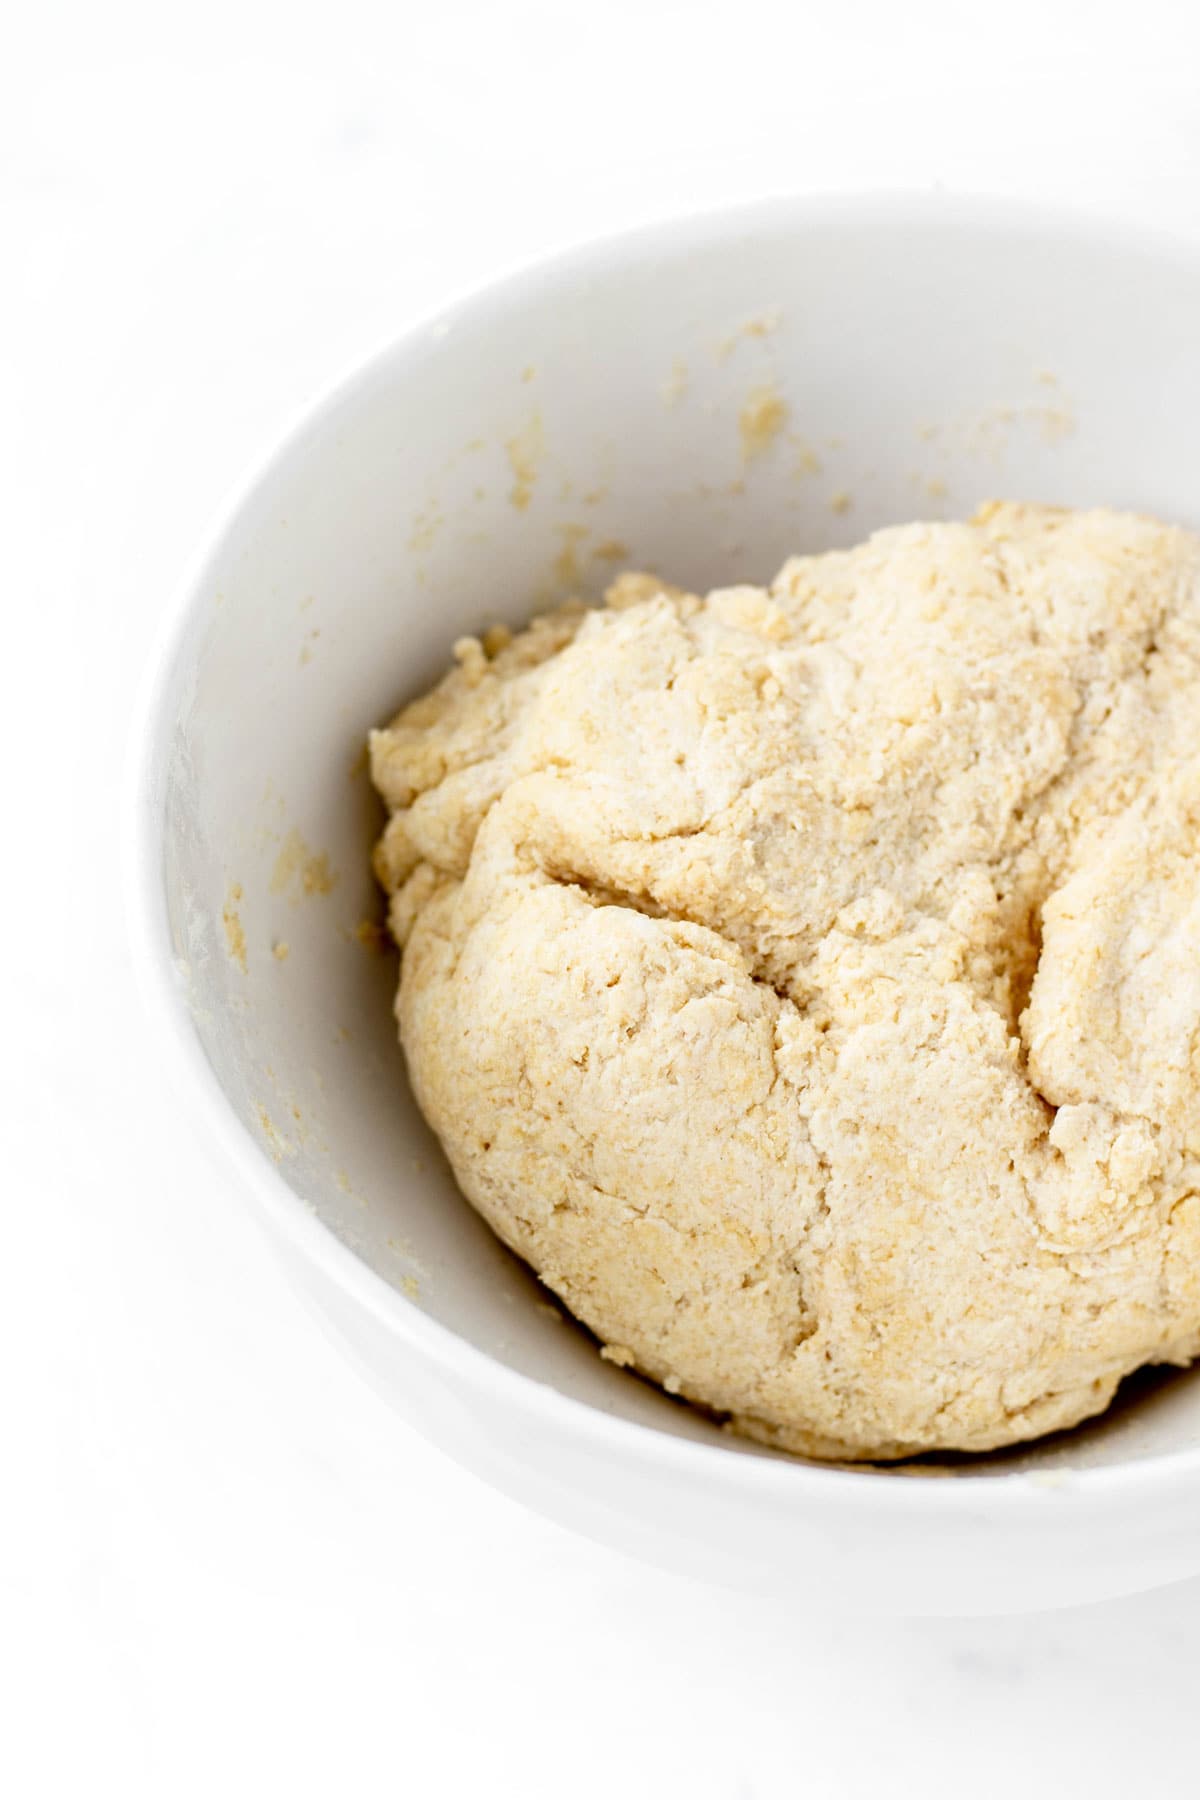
806	981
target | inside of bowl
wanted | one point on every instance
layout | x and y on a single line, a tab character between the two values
702	404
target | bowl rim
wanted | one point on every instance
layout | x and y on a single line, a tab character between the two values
142	833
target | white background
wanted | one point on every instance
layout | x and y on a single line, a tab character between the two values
225	1568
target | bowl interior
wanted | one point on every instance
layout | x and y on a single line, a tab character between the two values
700	401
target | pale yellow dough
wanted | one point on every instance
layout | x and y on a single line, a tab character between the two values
806	981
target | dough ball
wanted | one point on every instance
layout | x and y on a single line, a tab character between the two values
805	981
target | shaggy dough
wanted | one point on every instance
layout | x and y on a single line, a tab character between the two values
806	981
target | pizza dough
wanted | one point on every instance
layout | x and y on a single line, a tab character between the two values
806	980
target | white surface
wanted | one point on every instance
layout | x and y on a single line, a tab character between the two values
225	1567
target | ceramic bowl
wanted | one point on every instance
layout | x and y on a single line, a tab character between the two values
701	399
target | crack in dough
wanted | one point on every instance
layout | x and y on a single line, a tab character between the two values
804	980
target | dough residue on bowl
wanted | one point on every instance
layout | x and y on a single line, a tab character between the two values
806	980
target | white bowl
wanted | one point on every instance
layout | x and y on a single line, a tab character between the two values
931	353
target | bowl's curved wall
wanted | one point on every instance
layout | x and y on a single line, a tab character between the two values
702	401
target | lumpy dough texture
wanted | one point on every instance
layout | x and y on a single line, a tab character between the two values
806	980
